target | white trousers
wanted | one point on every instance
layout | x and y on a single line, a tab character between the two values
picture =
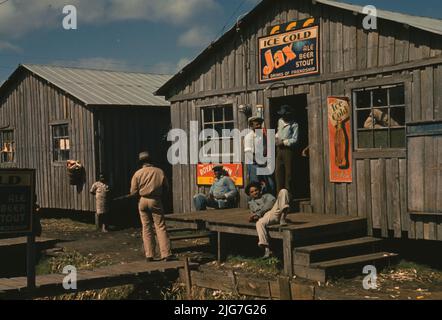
272	217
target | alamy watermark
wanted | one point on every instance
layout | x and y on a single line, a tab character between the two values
226	148
370	22
70	281
70	20
370	280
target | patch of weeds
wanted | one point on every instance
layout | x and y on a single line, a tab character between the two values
73	258
114	293
178	292
269	266
65	226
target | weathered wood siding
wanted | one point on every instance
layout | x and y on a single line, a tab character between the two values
348	54
30	107
122	134
345	47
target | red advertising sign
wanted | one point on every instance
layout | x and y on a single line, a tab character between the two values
205	176
339	136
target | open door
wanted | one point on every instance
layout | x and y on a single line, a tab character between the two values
301	166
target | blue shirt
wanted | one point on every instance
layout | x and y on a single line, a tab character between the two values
261	205
287	132
223	186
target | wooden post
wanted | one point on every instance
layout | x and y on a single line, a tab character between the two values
30	262
285	292
213	242
188	278
219	248
232	276
287	243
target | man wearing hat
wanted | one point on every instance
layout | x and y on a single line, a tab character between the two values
252	141
149	184
286	139
222	193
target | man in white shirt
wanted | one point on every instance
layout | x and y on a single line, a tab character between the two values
253	141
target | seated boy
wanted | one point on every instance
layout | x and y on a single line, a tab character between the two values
222	193
266	211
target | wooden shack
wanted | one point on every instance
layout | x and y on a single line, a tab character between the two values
395	179
102	119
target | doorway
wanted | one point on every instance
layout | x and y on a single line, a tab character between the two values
301	164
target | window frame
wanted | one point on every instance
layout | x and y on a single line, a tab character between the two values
52	126
14	146
203	123
406	81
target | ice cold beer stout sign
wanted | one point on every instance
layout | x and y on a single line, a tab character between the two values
16	201
289	54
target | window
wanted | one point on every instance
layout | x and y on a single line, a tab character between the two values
7	145
218	118
60	142
380	117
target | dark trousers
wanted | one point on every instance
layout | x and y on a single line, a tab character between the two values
284	169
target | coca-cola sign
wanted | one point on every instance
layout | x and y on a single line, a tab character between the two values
339	136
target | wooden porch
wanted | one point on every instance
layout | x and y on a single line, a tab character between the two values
312	243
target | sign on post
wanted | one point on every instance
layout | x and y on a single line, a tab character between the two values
16	201
17	190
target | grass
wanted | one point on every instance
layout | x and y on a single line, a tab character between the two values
178	292
419	268
66	226
50	265
269	266
56	264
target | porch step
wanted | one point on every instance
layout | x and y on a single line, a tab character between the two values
331	232
321	271
304	256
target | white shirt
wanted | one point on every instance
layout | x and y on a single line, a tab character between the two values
251	140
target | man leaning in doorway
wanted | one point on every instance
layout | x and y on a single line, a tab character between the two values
222	194
252	142
149	184
286	139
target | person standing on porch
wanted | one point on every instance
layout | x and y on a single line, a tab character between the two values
286	139
266	210
149	184
253	141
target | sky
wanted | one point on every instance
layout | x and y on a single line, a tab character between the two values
156	36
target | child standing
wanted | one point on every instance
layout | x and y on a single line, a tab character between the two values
102	197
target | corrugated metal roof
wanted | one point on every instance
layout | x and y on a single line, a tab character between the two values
99	87
423	23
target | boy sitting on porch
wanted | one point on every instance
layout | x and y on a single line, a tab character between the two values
266	211
222	193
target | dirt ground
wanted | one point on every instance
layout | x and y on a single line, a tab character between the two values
90	249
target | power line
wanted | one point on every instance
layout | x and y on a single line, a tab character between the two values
231	16
4	1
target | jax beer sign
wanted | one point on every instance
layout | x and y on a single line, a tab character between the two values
339	136
205	175
16	201
289	54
